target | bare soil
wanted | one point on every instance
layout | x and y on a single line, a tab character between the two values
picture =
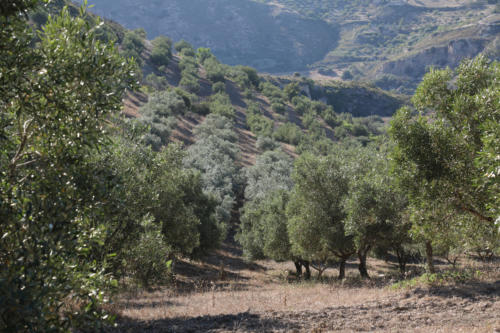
227	294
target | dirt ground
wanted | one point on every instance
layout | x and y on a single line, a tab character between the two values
229	294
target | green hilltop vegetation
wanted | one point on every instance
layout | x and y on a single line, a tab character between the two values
388	42
121	156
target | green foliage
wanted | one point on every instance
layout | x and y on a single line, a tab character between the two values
155	81
215	71
291	90
203	54
315	212
271	91
148	260
265	143
189	70
46	189
375	206
214	155
181	45
264	228
260	125
162	51
271	172
263	220
219	87
252	75
301	104
133	45
221	104
278	107
159	114
190	82
440	155
289	133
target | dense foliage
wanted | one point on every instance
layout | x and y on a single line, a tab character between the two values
80	200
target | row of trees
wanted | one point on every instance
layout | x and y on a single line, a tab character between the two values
433	185
322	209
83	200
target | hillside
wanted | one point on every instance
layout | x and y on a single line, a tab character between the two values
387	42
269	38
347	100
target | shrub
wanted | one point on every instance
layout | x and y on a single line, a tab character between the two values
260	125
289	133
215	71
161	53
133	45
148	261
278	107
181	45
219	87
155	81
190	83
265	143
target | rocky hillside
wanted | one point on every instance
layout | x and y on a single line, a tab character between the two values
388	42
267	37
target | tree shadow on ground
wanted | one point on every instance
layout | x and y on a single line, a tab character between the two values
244	321
472	290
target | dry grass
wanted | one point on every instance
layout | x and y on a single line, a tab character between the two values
263	297
310	297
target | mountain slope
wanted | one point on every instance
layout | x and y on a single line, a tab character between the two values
269	38
389	42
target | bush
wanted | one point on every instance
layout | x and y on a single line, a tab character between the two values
201	108
278	107
181	45
265	143
190	83
252	75
133	45
155	81
219	87
291	90
147	262
289	133
221	104
330	117
260	125
215	71
161	53
271	91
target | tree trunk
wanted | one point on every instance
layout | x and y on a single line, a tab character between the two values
342	269
298	267
363	271
401	261
430	258
305	263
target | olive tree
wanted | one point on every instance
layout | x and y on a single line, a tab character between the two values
444	151
214	155
55	97
316	215
263	220
374	205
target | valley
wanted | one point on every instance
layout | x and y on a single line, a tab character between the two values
389	43
249	166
